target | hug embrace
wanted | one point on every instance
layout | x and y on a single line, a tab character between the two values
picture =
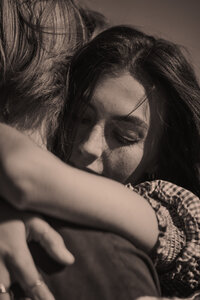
99	132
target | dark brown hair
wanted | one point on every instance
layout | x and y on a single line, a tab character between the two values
153	62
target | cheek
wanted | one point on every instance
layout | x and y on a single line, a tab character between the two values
122	162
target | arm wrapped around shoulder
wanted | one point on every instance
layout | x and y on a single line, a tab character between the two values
177	252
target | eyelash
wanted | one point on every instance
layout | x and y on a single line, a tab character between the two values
87	121
125	141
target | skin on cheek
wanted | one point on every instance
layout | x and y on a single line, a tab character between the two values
113	129
124	161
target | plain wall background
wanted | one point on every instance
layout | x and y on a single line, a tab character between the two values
175	20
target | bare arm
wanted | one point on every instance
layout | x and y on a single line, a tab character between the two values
33	178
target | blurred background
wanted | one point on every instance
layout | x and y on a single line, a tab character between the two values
175	20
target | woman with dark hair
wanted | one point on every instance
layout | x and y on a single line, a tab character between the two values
132	115
161	68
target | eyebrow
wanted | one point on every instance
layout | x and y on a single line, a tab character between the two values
133	120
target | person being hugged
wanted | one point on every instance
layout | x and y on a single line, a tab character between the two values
129	139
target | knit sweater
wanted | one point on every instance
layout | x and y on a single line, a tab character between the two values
176	254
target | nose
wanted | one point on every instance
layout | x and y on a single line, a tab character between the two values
92	146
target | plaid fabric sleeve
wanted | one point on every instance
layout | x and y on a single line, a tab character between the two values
177	252
195	296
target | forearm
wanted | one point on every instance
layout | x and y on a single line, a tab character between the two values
84	198
40	181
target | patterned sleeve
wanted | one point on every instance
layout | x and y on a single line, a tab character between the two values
177	252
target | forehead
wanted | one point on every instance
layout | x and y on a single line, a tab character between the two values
118	96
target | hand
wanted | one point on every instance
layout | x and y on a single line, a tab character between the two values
16	262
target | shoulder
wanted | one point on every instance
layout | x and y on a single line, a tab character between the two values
173	197
177	252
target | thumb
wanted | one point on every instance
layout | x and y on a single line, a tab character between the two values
41	232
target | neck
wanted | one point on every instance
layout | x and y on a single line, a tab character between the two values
38	136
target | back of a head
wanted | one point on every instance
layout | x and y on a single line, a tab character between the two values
37	40
153	62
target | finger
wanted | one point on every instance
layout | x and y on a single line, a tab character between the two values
5	296
51	241
40	291
4	282
55	246
24	270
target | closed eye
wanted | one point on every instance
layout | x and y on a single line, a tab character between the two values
125	140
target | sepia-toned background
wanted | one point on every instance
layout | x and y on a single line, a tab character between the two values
176	20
